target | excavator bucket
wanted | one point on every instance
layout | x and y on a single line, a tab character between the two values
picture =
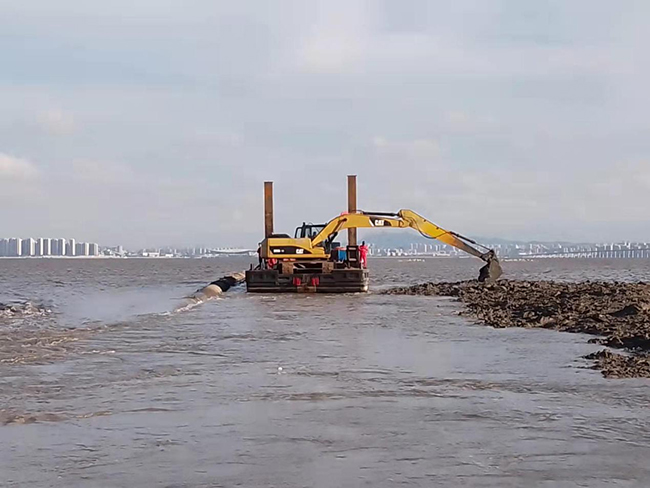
492	269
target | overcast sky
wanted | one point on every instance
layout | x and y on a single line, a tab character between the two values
152	122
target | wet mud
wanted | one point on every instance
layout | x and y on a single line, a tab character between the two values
41	346
618	313
18	309
9	417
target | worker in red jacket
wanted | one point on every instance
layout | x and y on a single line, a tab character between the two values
363	254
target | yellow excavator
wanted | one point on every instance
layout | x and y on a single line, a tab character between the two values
311	258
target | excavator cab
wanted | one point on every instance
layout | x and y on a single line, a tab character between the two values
308	230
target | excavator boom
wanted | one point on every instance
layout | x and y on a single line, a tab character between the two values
408	218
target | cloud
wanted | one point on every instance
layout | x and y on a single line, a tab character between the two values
520	202
338	39
415	150
88	171
16	169
331	52
619	193
495	117
217	138
56	122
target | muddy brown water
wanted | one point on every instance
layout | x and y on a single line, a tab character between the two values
102	385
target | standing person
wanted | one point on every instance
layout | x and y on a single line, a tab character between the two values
363	255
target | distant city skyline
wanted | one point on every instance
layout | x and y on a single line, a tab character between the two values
46	247
629	250
69	247
39	246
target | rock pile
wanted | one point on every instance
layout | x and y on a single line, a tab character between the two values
619	313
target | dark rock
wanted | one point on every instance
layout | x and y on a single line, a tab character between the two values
615	365
626	311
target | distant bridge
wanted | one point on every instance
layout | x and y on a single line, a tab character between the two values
596	254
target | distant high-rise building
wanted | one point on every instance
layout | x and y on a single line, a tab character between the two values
28	247
81	249
15	247
44	247
4	247
93	249
71	248
58	247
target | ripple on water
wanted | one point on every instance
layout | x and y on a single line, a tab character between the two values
293	391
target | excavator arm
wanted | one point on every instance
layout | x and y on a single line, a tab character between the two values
355	221
407	218
492	269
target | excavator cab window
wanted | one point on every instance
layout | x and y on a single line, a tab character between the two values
308	230
312	230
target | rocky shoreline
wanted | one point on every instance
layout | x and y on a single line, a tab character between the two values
617	313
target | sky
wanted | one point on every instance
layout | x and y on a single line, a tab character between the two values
156	122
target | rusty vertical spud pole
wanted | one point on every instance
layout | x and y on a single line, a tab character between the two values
268	208
352	207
